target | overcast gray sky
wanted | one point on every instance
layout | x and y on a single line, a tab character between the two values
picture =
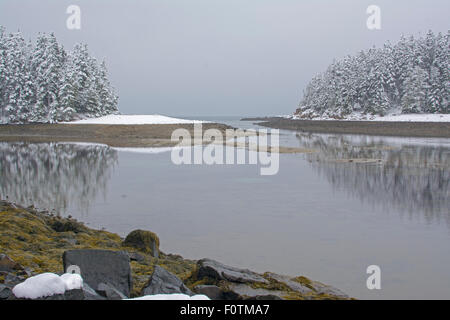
220	57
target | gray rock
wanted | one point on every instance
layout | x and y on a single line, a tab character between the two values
90	294
211	291
97	266
85	293
294	285
321	288
219	271
5	292
109	292
244	291
54	297
164	282
12	279
75	294
134	256
265	297
8	265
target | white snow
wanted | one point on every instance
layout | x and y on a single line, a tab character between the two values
47	284
413	117
431	117
72	281
42	285
134	119
174	296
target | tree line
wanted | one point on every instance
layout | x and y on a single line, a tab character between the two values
411	76
44	83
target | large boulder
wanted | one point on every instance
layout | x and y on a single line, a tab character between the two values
144	241
8	265
164	282
102	266
219	271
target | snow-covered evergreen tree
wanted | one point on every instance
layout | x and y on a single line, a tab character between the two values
44	83
415	93
411	76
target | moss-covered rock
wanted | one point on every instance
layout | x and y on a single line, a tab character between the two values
28	237
36	240
142	240
66	225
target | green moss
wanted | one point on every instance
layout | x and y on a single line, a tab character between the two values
30	238
192	280
64	225
144	241
304	281
271	285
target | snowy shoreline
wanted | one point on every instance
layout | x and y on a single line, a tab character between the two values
125	119
431	117
390	126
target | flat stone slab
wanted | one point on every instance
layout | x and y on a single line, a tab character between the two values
213	269
102	266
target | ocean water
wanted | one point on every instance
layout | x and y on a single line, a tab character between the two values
356	201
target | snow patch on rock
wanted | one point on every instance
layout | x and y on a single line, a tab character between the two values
47	284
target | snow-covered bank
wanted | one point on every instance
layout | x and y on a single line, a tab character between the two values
413	117
134	119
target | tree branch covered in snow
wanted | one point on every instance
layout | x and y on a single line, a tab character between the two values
46	84
412	76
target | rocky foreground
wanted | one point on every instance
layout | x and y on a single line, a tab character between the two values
34	242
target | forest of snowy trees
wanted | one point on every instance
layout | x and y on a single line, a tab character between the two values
411	76
46	84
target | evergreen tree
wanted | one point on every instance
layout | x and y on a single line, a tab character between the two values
411	76
416	87
44	83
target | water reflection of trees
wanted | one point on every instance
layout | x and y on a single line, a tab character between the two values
54	175
412	177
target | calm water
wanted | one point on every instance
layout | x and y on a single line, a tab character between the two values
321	216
